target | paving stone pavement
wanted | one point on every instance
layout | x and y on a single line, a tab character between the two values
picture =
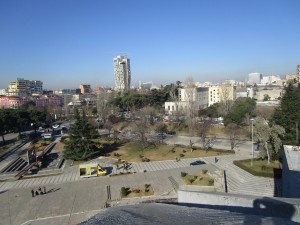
241	182
73	202
73	199
238	180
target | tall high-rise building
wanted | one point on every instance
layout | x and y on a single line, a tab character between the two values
122	73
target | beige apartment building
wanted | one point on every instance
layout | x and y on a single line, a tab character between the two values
220	93
23	88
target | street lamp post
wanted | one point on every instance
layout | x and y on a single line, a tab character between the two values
252	120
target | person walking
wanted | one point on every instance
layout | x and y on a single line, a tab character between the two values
44	190
32	192
40	191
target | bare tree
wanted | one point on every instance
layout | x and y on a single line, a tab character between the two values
263	111
233	131
67	99
175	98
142	123
188	95
203	129
102	106
109	126
226	95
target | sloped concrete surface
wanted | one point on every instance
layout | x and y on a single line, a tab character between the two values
157	214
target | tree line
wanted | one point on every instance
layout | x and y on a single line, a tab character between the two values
155	98
18	120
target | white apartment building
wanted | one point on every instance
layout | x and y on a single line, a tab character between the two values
254	78
3	92
213	95
266	80
122	73
244	92
196	97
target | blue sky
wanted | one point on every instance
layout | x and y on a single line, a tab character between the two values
66	43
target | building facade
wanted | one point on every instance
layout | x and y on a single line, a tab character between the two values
85	88
254	78
23	88
268	80
220	93
196	97
244	92
122	73
48	100
12	102
298	73
35	87
291	172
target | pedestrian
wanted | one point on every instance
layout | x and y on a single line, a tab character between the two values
36	193
176	159
44	190
216	160
117	166
32	192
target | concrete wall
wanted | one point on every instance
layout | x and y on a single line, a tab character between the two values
276	207
274	93
290	181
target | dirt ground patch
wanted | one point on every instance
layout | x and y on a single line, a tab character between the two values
133	152
198	179
134	192
5	147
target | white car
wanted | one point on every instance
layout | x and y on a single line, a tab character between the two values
55	126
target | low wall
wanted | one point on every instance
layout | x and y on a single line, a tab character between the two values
274	207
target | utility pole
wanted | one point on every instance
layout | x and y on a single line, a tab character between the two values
297	140
252	120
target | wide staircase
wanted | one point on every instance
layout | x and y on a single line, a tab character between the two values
241	182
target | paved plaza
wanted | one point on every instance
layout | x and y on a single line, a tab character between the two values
71	199
73	202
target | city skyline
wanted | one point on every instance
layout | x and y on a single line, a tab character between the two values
68	43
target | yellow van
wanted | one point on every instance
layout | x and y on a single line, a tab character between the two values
91	170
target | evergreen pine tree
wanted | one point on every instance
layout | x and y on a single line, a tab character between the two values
80	145
287	114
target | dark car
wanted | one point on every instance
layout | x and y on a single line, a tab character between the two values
196	163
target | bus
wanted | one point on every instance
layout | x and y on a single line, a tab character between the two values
91	170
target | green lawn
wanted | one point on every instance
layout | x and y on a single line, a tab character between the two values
261	167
